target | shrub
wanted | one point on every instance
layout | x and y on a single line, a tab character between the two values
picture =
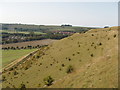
15	72
91	55
26	68
40	63
11	69
3	78
100	43
73	54
22	87
48	80
69	69
37	56
114	35
69	59
63	65
60	69
95	47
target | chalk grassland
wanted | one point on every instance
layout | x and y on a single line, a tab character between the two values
93	56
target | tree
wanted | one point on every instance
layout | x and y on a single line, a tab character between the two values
31	33
106	27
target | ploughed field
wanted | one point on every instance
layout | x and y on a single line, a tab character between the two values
31	43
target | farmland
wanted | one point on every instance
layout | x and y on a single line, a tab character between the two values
14	33
11	55
32	43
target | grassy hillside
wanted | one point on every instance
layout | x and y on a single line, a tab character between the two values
92	56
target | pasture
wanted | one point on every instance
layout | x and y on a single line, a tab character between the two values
11	55
24	32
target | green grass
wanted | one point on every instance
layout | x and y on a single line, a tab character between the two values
12	31
11	55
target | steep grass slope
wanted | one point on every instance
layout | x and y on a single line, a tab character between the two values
92	55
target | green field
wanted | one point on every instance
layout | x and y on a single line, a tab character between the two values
13	31
11	55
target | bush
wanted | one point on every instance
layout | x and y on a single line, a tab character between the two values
22	87
3	78
26	68
91	55
37	56
114	35
69	59
11	69
48	80
73	54
100	43
69	69
95	47
15	72
63	65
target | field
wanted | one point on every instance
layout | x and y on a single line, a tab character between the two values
11	55
42	28
32	43
93	57
13	31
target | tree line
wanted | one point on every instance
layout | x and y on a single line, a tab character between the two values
23	47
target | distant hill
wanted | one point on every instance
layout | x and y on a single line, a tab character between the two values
43	28
87	60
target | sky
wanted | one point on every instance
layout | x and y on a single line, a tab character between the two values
96	14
